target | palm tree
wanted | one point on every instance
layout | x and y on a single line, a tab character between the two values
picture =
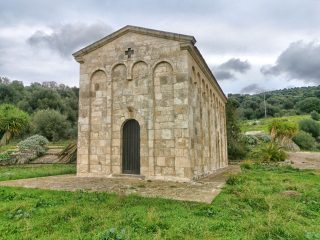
282	131
12	122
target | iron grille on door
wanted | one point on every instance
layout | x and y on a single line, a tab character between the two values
131	147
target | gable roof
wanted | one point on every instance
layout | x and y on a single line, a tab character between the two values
135	29
187	42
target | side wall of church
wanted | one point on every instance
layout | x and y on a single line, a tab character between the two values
207	120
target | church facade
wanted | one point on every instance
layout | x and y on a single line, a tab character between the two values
149	105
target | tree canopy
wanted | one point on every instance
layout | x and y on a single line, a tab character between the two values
285	102
47	96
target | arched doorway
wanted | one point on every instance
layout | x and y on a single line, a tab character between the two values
131	147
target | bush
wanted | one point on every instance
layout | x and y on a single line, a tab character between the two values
4	156
309	104
51	124
234	180
264	138
247	164
250	140
268	152
237	149
315	115
280	129
36	144
113	234
310	126
304	140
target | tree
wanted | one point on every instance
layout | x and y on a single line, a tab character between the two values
236	145
51	124
12	122
315	115
309	104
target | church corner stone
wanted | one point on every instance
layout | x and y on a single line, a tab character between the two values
149	105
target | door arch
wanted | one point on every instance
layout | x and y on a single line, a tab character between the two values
131	147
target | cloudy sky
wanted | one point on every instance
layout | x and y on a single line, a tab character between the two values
250	45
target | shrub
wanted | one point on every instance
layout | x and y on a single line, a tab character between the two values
234	180
310	126
264	138
35	143
247	164
280	129
51	124
268	152
304	140
251	140
309	104
237	149
113	234
4	156
315	115
254	140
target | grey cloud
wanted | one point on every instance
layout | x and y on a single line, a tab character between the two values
236	65
65	39
227	69
252	88
223	75
299	61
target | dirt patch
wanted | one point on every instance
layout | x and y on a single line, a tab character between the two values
203	190
48	158
290	193
305	160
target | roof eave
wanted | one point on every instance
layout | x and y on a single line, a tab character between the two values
140	30
195	53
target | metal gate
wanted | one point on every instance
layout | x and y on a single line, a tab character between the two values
131	147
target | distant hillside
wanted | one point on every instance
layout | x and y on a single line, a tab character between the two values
285	102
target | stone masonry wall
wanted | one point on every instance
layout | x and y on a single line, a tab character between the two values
150	87
207	123
180	113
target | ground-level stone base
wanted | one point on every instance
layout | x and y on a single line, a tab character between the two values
197	191
162	178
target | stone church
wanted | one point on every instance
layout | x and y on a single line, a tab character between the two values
149	106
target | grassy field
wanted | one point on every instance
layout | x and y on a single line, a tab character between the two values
262	124
34	170
259	203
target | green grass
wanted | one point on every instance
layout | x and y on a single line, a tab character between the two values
34	170
251	206
61	143
262	124
12	146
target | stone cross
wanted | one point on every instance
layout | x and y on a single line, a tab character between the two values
129	52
